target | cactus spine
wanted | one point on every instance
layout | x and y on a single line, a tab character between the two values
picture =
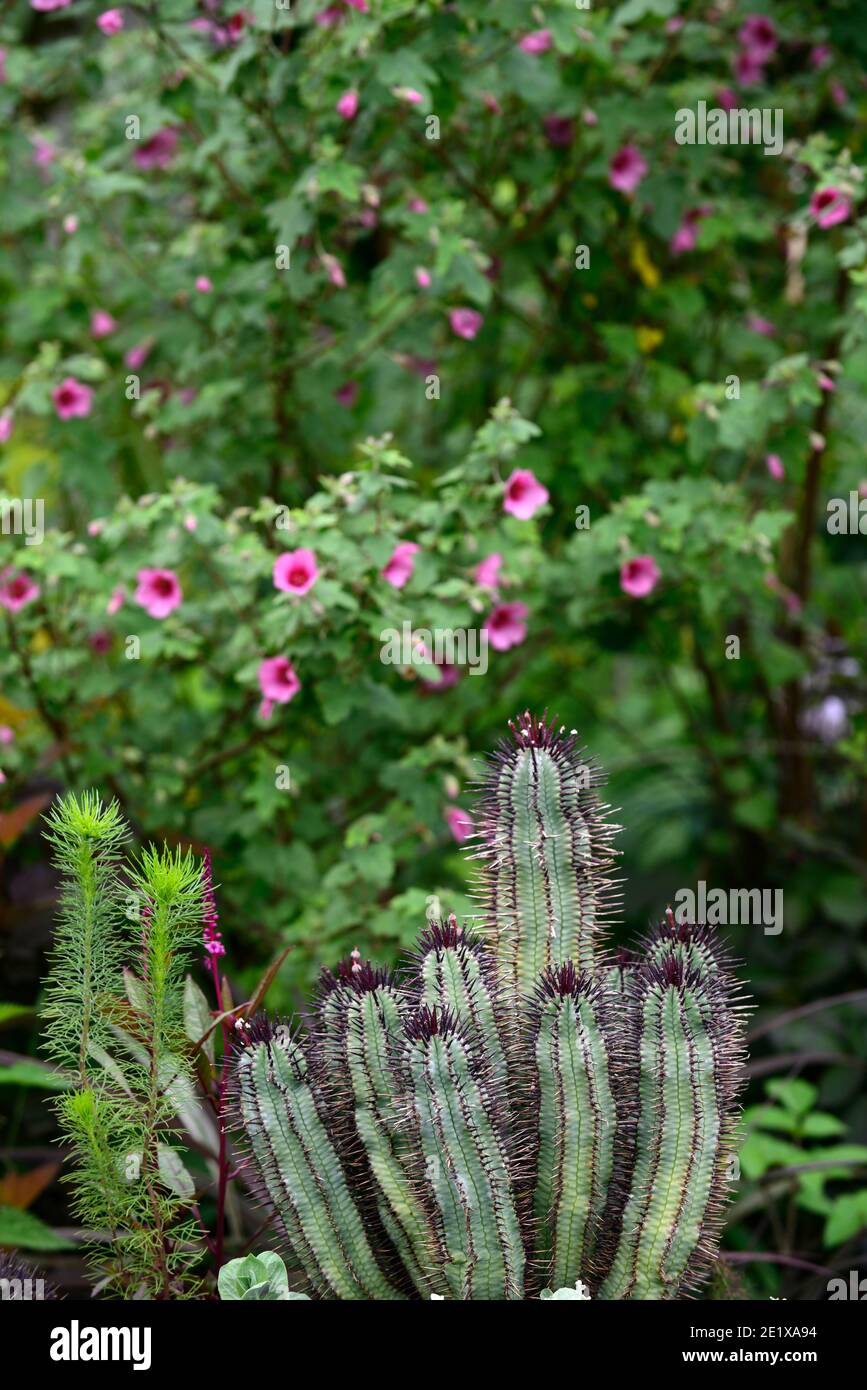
521	1109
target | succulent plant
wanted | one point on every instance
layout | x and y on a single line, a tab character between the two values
520	1109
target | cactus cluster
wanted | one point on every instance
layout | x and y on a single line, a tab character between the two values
519	1108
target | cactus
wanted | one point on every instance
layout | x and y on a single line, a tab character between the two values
520	1110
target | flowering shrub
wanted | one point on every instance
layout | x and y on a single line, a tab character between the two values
384	367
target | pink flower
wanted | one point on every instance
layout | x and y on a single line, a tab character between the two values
590	118
759	35
829	206
505	625
559	130
266	709
138	355
334	271
820	55
2	776
524	494
278	682
347	394
409	95
465	322
102	323
70	223
111	22
398	570
116	601
627	169
347	106
838	94
686	235
158	592
640	576
43	152
487	574
748	68
95	528
459	822
326	19
203	284
71	398
7	735
235	25
762	326
539	41
16	590
422	277
190	523
6	419
100	641
44	6
447	676
826	382
2	64
295	571
159	151
490	101
418	205
775	467
684	238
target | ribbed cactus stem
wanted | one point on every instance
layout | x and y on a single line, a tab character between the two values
373	1025
457	973
547	856
688	1058
301	1173
465	1163
576	1123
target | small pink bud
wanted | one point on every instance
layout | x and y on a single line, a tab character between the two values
347	106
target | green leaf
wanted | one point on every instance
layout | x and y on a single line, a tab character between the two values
848	1216
579	1292
174	1173
26	1073
795	1096
9	1012
822	1126
24	1231
255	1278
197	1015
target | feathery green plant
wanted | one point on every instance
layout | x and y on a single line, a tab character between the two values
119	1034
520	1111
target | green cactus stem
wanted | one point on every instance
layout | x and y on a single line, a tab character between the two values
546	856
464	1161
576	1122
687	1064
300	1171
